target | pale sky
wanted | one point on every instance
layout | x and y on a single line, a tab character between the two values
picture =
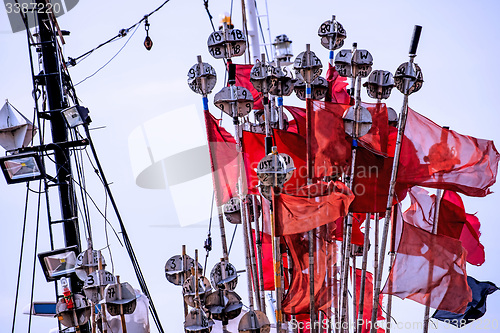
457	53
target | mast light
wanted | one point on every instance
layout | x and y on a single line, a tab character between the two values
283	49
19	168
76	115
58	263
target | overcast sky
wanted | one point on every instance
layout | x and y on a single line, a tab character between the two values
457	53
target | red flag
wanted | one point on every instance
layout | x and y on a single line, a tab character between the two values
430	268
337	92
289	143
267	261
421	213
357	237
368	301
224	159
330	146
296	300
298	124
243	80
311	206
377	137
433	156
470	241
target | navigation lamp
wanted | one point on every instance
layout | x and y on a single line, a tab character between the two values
20	168
58	263
76	115
283	49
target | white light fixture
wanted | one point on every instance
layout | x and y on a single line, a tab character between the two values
283	49
20	168
76	115
58	263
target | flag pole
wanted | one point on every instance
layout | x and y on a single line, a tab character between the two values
409	77
435	223
392	256
363	274
258	245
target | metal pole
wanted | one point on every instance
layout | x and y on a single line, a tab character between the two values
392	255
258	245
360	322
392	185
248	260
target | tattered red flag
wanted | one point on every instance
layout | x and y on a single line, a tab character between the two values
311	206
296	300
288	143
470	241
330	145
225	160
436	157
430	269
298	124
337	84
243	80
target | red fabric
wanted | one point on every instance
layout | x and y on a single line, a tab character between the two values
243	80
445	159
296	300
368	301
470	241
294	145
224	159
299	118
421	213
371	183
330	147
267	261
337	84
420	253
377	137
311	206
357	237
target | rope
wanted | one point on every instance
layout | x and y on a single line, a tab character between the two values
208	242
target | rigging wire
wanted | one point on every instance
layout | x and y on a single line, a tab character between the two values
35	255
208	241
232	239
20	257
121	33
113	57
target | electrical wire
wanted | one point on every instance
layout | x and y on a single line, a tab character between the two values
121	33
113	57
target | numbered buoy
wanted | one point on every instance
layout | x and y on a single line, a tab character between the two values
197	321
226	281
178	269
232	210
364	123
94	282
189	290
332	34
86	261
243	98
202	78
120	295
275	169
282	81
227	43
260	76
408	74
319	88
379	84
254	321
349	65
224	305
307	66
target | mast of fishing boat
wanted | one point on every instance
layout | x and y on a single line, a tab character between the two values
52	77
408	79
